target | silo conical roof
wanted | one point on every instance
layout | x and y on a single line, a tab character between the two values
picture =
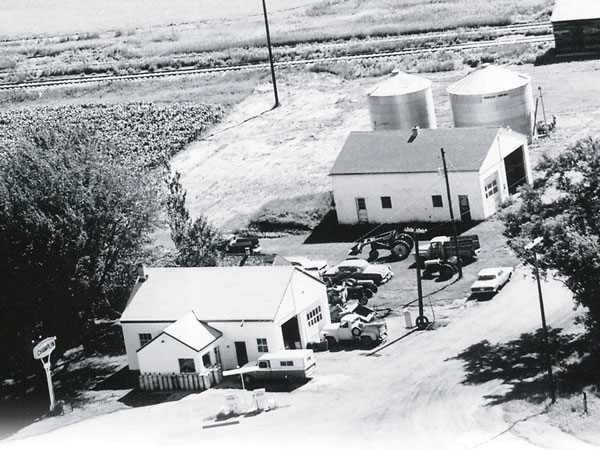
400	83
488	80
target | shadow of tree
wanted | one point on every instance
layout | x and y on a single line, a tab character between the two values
520	364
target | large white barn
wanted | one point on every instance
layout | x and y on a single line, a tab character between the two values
396	176
183	319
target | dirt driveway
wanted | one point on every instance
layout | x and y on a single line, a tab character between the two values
411	393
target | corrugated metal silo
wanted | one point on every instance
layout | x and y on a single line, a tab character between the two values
402	102
493	96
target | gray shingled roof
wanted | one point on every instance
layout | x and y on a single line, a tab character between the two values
567	10
390	151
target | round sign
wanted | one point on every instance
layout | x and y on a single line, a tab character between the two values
44	348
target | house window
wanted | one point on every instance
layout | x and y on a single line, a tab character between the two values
491	188
186	365
218	355
386	202
206	360
262	345
437	201
286	363
314	316
144	338
361	204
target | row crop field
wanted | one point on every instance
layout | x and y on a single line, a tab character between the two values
152	132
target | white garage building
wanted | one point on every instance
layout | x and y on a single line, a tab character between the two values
397	176
183	319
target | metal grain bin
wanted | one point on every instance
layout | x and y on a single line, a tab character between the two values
493	96
401	103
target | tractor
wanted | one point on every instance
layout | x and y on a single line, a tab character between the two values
398	243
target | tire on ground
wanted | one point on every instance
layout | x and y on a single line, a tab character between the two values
367	341
422	322
400	250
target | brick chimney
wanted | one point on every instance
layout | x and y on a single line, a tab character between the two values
415	133
139	270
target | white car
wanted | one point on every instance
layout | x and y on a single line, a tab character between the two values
490	281
315	267
361	270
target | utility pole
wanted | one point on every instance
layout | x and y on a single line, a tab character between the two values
460	273
422	321
548	360
270	55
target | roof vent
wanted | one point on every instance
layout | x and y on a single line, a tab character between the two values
415	133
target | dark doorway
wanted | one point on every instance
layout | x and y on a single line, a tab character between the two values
242	354
514	164
464	208
361	210
291	334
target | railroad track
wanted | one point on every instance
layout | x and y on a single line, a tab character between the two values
505	40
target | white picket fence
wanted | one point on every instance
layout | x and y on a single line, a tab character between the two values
181	381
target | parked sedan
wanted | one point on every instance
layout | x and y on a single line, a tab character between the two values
361	270
314	267
490	281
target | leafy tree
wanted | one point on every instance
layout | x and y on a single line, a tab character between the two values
197	242
563	207
73	223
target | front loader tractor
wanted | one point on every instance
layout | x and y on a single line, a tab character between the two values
399	245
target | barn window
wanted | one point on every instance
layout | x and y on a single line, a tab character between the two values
186	365
491	188
314	316
437	201
262	345
386	202
144	338
206	360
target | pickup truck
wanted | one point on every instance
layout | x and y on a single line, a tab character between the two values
352	329
282	365
242	244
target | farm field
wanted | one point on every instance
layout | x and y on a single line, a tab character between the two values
209	36
38	17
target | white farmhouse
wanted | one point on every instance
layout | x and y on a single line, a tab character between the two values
396	176
184	319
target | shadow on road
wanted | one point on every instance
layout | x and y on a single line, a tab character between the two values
234	382
519	364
